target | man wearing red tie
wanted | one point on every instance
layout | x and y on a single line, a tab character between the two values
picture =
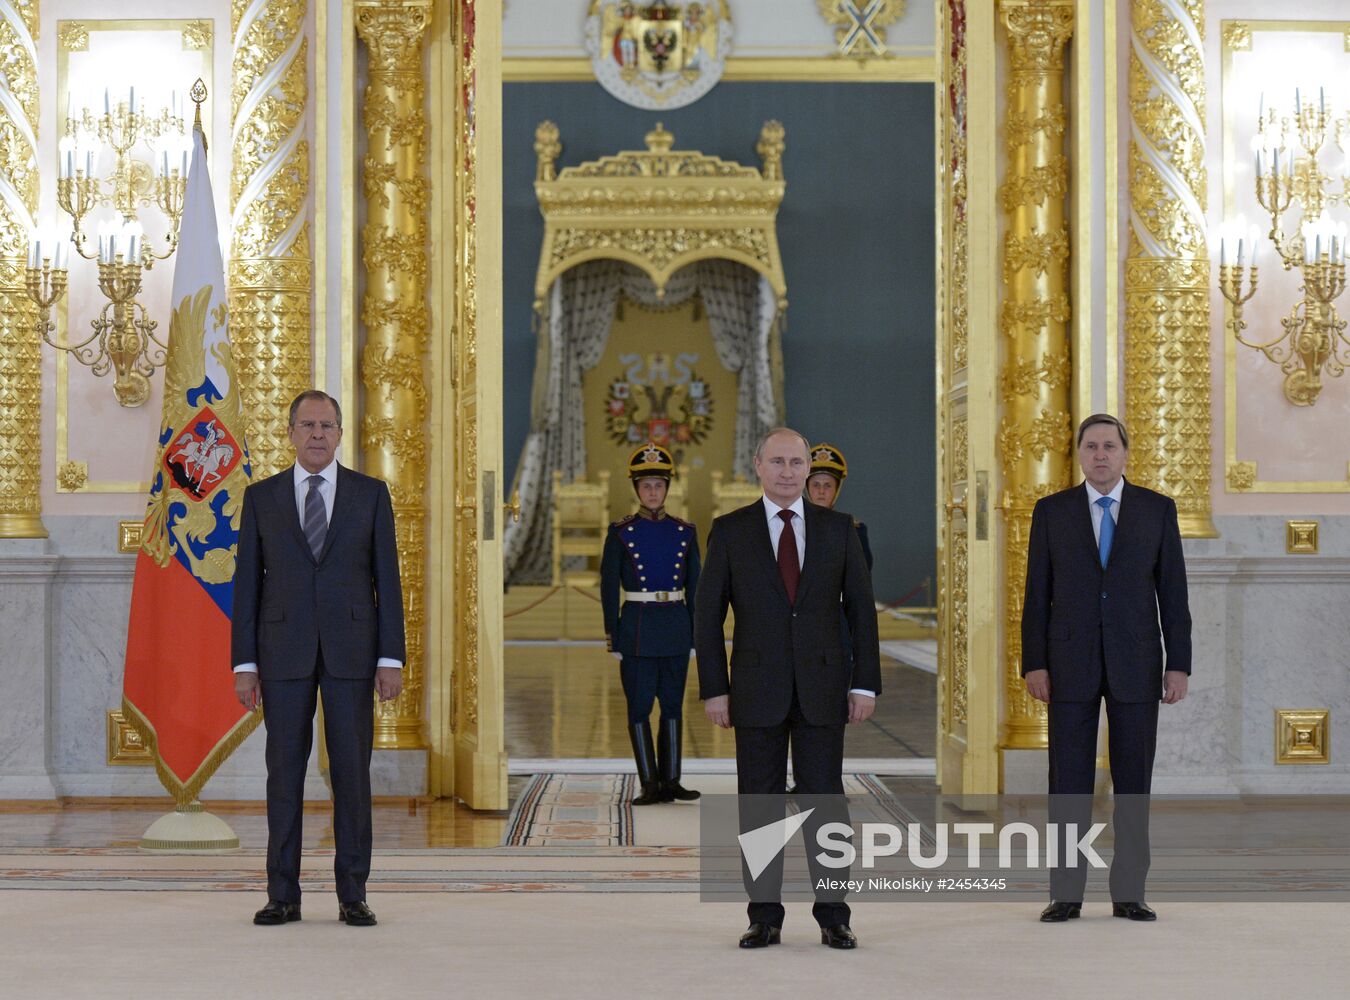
784	566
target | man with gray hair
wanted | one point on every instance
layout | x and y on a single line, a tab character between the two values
784	565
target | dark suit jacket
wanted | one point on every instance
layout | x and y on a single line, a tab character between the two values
1080	621
776	644
287	604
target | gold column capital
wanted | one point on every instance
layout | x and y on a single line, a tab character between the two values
393	30
1037	30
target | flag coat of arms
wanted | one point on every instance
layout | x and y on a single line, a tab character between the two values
176	690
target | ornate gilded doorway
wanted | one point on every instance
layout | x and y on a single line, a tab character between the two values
969	680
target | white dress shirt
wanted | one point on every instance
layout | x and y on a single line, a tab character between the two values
776	526
328	492
1097	512
798	509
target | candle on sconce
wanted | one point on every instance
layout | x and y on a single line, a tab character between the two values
131	103
1321	101
107	103
1298	103
1261	108
89	163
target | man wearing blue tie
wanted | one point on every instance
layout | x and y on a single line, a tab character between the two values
1106	580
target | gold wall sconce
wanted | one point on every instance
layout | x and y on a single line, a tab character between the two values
1288	160
123	338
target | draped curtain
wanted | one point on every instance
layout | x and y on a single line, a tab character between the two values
574	329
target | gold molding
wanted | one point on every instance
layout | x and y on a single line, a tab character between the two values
1242	476
660	209
20	352
393	370
1167	288
1035	434
1302	736
1300	537
129	535
746	69
125	746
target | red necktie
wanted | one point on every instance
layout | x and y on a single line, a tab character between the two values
788	564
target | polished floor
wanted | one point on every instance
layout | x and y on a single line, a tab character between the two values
565	700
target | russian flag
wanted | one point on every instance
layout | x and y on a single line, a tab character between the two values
177	688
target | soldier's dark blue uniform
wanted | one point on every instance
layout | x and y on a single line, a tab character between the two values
648	575
828	460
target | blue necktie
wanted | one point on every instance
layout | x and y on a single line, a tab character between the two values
1107	532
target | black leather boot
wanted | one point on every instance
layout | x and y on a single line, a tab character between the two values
641	735
670	747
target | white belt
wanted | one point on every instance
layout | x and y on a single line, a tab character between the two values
655	596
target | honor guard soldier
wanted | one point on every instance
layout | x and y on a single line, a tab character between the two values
829	469
651	563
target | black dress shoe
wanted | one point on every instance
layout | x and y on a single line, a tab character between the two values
650	795
673	791
356	914
277	912
760	936
838	936
1057	912
1133	911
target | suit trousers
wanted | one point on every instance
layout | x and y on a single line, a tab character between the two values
761	774
1132	731
647	678
349	732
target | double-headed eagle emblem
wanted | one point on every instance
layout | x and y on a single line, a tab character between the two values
860	25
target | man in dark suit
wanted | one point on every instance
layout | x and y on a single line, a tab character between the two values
1104	569
783	566
318	609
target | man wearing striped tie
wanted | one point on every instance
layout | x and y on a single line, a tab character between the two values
1106	580
318	611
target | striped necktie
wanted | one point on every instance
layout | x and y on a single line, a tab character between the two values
316	518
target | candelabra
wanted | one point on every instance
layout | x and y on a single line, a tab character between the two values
1288	174
123	335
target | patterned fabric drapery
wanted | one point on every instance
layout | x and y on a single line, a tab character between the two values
742	316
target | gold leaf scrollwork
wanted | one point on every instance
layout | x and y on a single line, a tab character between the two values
1038	252
1036	186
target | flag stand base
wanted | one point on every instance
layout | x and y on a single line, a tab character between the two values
190	829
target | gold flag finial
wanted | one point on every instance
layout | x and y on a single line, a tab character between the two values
198	95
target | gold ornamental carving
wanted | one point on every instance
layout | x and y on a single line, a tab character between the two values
954	456
1035	433
72	36
860	25
1237	35
660	209
1167	367
270	262
197	35
20	356
393	363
